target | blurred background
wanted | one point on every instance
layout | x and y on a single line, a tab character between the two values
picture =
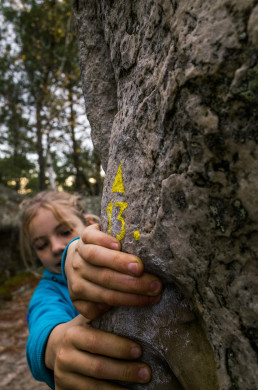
44	133
44	144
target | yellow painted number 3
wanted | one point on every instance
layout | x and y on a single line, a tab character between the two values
122	206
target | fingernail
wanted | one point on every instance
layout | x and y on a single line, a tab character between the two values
133	268
144	374
114	246
155	286
136	352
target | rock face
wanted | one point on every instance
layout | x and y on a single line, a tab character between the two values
10	259
171	91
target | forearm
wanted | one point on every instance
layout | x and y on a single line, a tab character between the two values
63	264
35	353
49	307
54	342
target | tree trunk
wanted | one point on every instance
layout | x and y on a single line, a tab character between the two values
50	168
41	161
80	179
171	93
97	175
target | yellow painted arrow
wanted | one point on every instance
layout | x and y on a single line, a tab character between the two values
118	185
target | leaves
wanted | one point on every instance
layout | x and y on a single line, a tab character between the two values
40	93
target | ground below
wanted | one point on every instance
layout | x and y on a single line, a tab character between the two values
14	372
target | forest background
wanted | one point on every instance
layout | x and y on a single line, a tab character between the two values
45	140
44	133
44	144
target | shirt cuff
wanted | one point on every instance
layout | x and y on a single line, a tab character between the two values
64	259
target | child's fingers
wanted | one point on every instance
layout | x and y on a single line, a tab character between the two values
118	261
146	284
92	292
100	367
90	310
93	235
86	338
71	380
86	356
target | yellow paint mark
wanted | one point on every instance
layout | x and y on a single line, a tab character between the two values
118	185
122	206
109	211
136	235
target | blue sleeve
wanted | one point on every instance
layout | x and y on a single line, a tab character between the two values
64	258
50	305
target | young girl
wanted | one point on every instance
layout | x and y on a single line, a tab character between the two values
63	349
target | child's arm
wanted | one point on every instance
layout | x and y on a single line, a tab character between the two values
97	272
64	350
85	358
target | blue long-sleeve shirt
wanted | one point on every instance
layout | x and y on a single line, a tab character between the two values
50	305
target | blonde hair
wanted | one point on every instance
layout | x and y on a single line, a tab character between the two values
54	201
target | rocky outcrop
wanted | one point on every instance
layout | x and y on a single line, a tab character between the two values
10	259
171	91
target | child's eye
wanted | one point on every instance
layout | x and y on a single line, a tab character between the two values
66	232
40	247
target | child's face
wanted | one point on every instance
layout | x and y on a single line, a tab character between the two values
50	237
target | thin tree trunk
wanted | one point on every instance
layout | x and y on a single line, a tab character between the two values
41	161
50	168
98	185
80	179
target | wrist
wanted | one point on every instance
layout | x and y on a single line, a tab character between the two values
53	343
63	263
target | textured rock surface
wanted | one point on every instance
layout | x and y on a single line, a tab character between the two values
10	260
171	91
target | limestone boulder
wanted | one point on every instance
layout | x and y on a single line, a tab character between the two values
171	90
10	259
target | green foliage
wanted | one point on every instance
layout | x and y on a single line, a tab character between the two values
39	95
13	284
14	167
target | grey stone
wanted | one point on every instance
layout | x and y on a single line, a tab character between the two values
10	259
171	91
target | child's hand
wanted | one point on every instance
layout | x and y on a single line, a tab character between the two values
97	272
85	358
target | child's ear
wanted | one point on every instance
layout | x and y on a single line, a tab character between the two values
91	219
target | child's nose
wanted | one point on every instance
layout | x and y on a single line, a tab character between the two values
57	245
